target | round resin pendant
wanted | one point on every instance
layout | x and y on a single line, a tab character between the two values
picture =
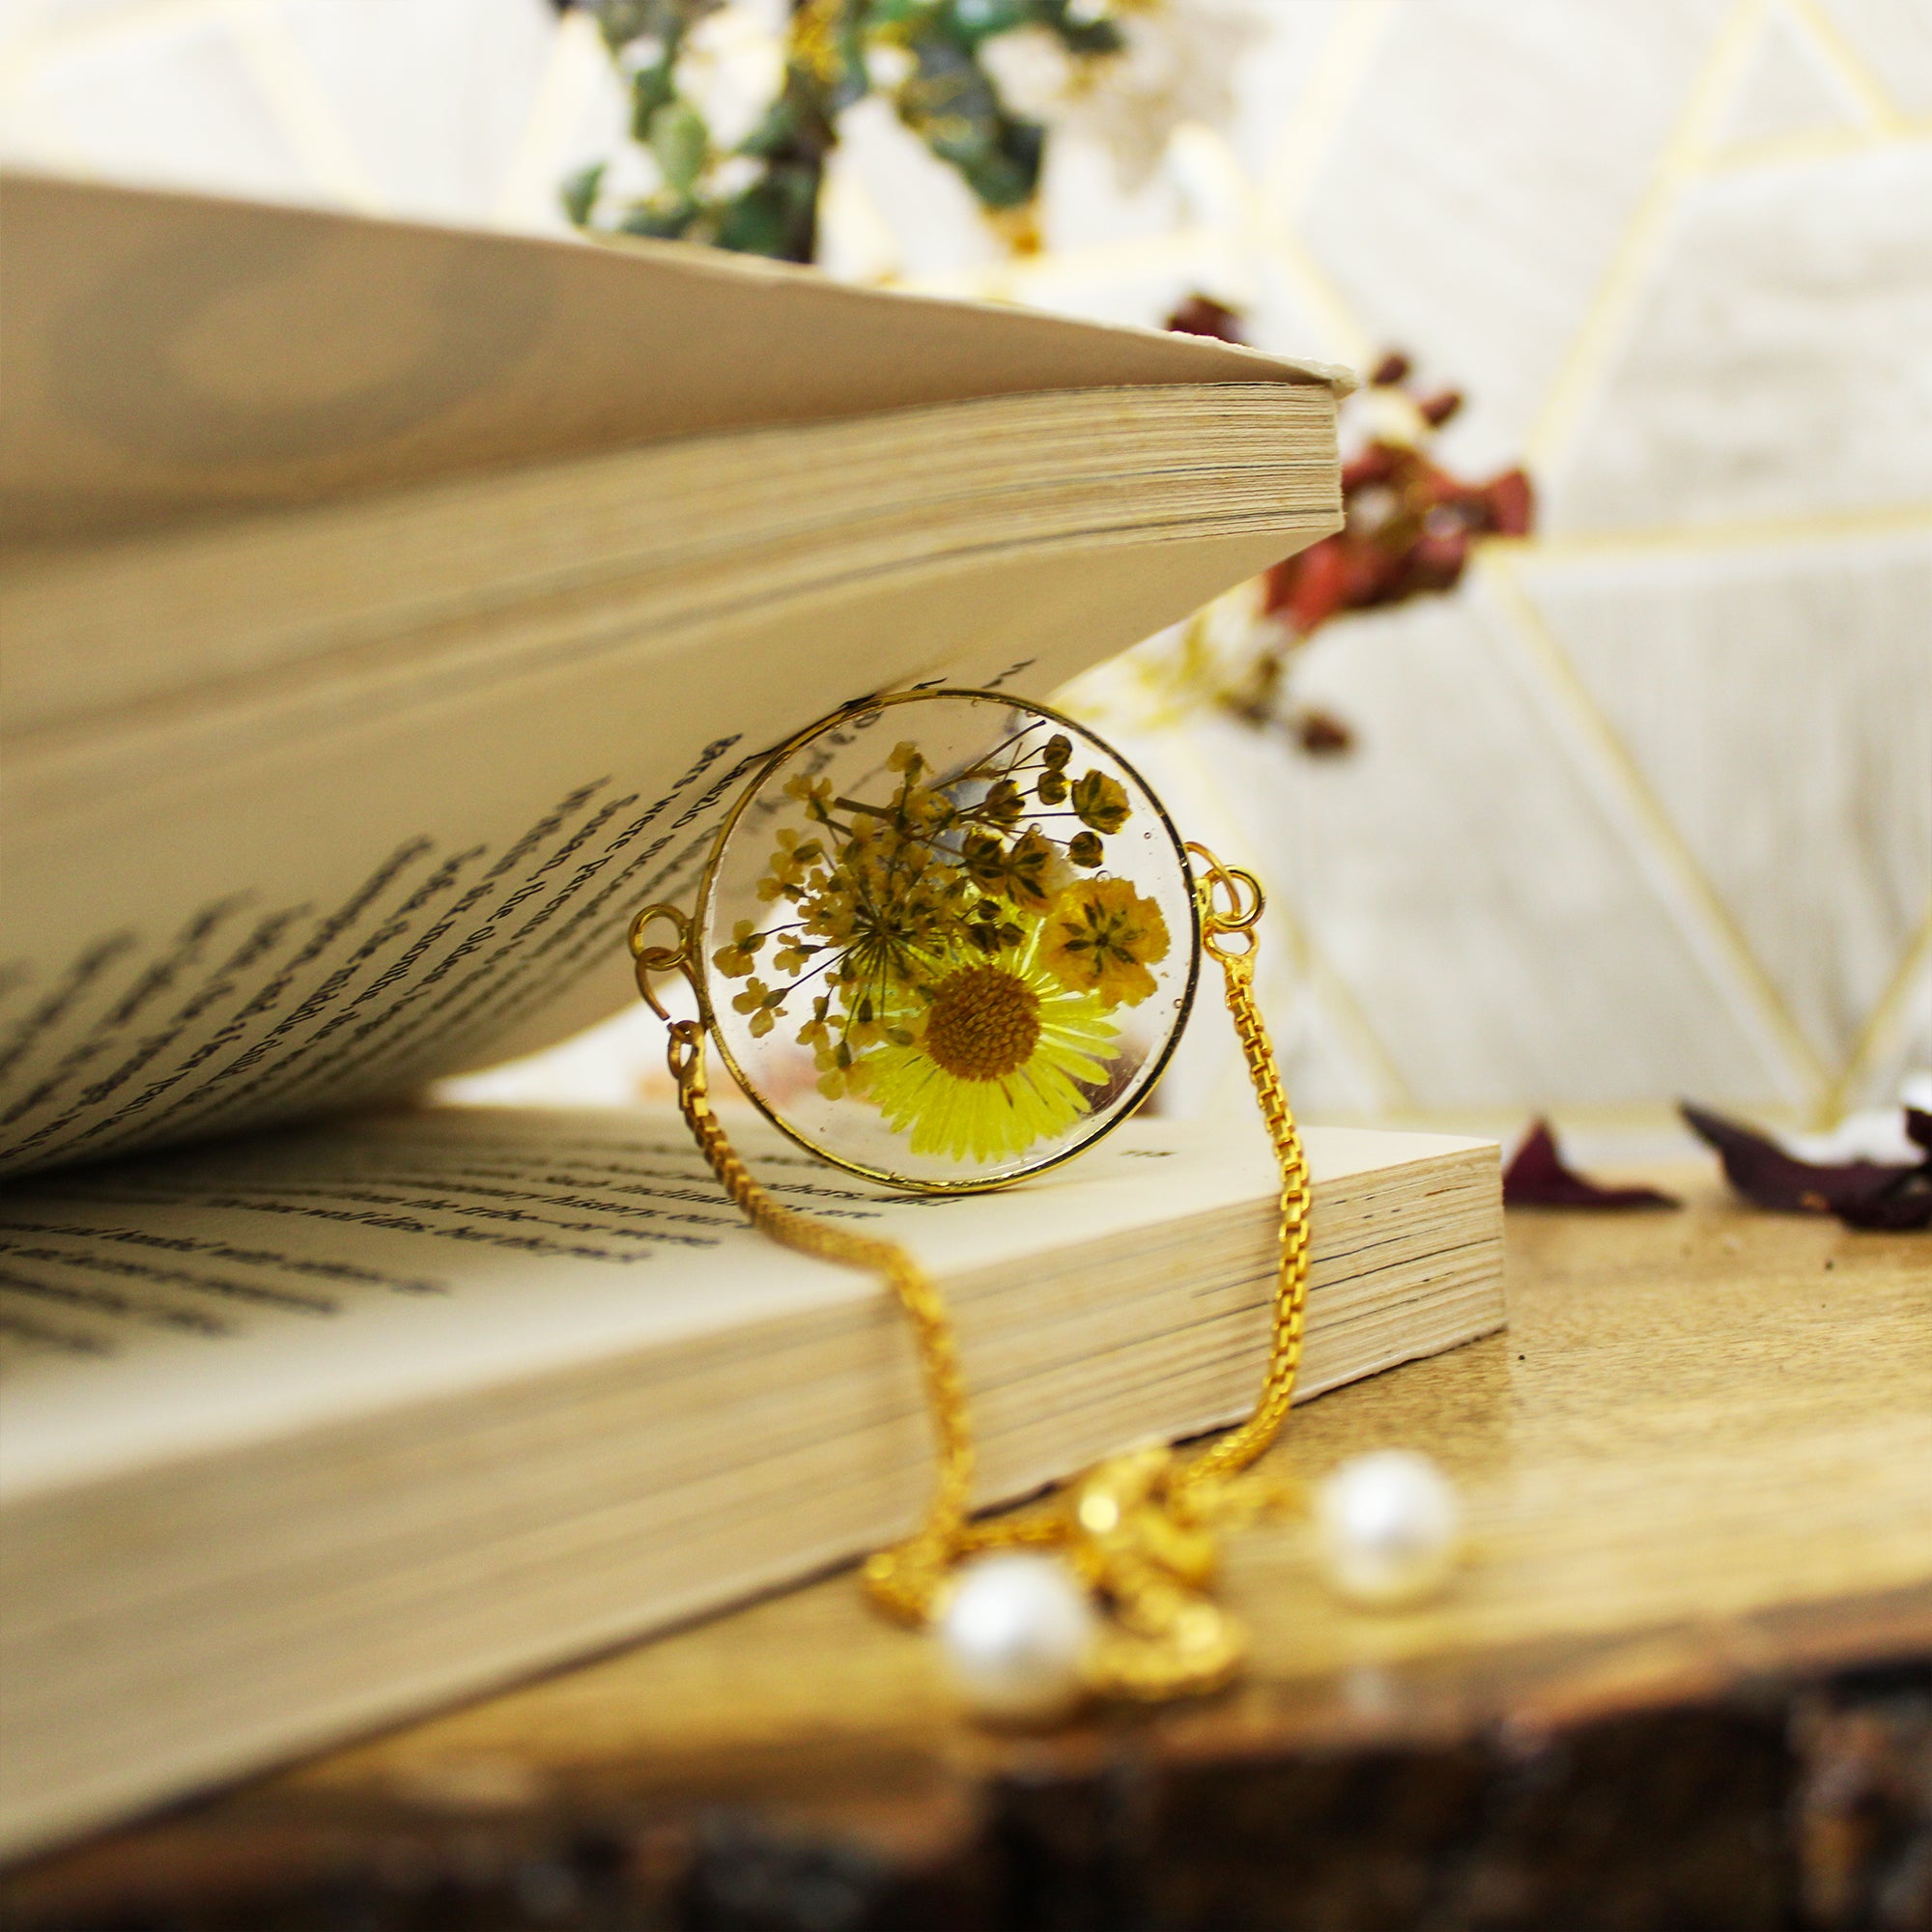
946	939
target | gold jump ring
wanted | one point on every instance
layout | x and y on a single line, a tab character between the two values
1241	896
659	958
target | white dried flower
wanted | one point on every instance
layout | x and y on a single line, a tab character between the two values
1177	66
1033	71
732	69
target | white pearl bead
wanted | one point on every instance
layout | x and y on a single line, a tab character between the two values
1388	1526
1017	1631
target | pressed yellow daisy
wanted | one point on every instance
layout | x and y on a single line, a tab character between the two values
996	1063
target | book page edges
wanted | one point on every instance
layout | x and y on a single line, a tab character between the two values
753	517
85	1432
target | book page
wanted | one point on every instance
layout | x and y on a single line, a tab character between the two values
179	1304
337	976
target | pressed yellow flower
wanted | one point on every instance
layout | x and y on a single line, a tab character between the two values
814	1033
1034	871
1101	801
1101	938
793	955
814	793
760	1004
923	812
997	1064
738	956
792	865
849	1082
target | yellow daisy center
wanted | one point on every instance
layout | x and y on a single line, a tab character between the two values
983	1024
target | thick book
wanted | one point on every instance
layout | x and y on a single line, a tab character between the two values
317	1429
388	612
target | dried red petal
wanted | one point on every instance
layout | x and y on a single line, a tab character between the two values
1309	588
1392	369
1898	1210
1907	1203
1378	462
1322	735
1202	315
1436	562
1510	501
1538	1176
1438	409
1762	1172
1371	575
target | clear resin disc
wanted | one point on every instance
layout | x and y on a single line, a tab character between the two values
948	941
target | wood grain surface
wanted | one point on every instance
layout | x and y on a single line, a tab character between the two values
1685	1680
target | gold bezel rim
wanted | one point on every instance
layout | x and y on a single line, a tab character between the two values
699	967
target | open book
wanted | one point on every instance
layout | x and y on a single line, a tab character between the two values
388	614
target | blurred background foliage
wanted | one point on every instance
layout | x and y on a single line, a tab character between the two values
759	192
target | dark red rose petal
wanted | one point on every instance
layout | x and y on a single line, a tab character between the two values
1901	1209
1537	1177
1313	586
1762	1172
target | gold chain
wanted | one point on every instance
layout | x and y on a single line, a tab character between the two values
1137	1528
1233	1452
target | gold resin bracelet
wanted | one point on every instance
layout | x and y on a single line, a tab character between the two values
946	939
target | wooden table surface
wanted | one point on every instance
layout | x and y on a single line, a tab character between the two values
1685	1680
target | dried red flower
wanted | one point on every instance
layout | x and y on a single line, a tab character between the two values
1410	526
1511	503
